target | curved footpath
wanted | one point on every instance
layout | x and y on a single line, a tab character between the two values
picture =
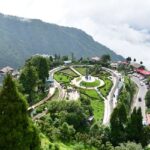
51	89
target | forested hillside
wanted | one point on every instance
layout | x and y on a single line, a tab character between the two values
20	38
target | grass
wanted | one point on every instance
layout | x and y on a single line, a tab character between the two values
107	87
62	78
69	72
98	108
97	103
90	93
81	70
90	84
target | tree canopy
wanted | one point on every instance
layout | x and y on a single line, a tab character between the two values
17	132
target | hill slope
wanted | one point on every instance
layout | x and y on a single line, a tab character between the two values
20	38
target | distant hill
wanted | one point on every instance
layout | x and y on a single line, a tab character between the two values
20	38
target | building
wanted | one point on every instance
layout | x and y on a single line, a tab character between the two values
114	65
6	70
143	72
49	82
15	74
68	62
136	65
95	59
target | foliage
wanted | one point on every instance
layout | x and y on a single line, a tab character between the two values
105	60
62	78
42	68
90	93
81	70
90	84
107	87
96	101
147	98
135	126
16	129
69	72
29	79
117	124
16	45
129	146
127	93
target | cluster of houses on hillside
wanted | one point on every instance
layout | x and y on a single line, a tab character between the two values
8	70
136	67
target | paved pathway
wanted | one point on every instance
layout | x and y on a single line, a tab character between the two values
78	73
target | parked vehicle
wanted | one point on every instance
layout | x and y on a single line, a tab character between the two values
140	99
141	83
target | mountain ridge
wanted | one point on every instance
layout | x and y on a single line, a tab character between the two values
21	38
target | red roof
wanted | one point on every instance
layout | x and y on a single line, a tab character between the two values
143	72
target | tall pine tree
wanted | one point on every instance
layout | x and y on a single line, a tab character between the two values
17	132
135	126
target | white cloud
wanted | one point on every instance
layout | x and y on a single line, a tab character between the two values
122	25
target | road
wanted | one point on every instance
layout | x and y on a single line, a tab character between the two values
142	90
109	101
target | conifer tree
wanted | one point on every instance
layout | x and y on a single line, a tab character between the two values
29	79
17	132
135	126
117	124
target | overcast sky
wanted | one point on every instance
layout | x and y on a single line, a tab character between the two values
122	25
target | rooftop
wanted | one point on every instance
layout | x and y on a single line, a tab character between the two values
6	69
135	65
143	72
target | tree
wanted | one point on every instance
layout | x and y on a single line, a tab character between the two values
146	136
29	79
128	59
72	57
141	62
67	132
42	67
16	129
135	127
147	98
134	59
65	58
117	124
105	59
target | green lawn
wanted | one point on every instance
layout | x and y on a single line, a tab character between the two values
62	78
98	108
69	72
90	84
81	70
97	103
107	87
90	93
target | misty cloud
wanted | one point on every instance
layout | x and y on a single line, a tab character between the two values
122	25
